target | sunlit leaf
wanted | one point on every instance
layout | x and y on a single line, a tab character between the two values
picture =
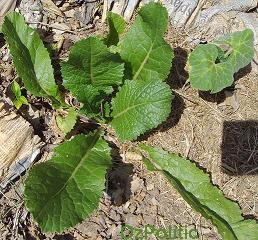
116	27
66	124
196	188
140	106
212	69
30	57
145	52
66	189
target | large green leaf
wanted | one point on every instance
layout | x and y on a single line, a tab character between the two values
91	66
30	57
205	74
143	48
66	189
140	106
116	27
212	68
196	188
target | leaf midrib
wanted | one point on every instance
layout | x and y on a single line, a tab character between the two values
144	61
95	139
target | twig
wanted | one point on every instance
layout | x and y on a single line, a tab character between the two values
185	97
51	26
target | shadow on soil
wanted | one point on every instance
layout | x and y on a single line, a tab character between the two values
214	98
242	72
2	42
240	147
119	178
64	237
178	75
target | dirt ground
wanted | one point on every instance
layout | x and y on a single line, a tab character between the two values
219	132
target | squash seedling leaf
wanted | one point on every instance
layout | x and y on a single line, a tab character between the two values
212	69
205	74
241	48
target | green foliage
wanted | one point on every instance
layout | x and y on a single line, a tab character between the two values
19	99
30	57
92	101
140	106
66	189
116	27
91	72
145	52
63	191
196	188
210	68
91	63
66	124
127	91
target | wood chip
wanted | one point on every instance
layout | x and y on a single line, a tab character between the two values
5	7
17	144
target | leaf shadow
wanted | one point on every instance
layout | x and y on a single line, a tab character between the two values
214	98
178	75
242	72
2	41
128	72
119	178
